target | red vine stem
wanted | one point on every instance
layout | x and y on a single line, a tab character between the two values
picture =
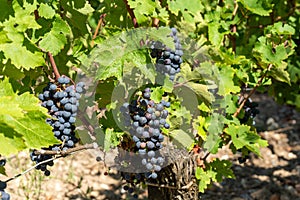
252	91
54	67
130	11
100	22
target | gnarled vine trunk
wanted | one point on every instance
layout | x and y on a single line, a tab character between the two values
176	181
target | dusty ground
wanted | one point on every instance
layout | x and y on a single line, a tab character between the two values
275	176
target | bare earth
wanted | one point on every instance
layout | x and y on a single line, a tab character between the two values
275	176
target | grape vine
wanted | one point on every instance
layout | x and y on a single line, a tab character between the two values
230	47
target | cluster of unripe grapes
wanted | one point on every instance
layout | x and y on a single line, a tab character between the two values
167	60
62	100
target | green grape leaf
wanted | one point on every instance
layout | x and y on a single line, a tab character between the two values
226	83
46	11
34	129
112	139
22	121
214	34
182	139
191	10
24	17
222	168
8	106
111	54
268	54
28	60
6	88
260	7
200	125
139	59
5	10
214	171
3	37
215	128
55	40
242	136
205	178
142	9
156	94
281	29
11	142
87	9
201	90
2	170
280	74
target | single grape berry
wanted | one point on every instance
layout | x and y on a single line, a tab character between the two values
3	185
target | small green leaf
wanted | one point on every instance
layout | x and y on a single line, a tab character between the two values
204	178
201	90
182	139
242	136
112	139
215	37
260	7
222	168
280	74
226	81
156	94
200	126
215	128
6	88
2	171
55	40
265	52
46	11
190	10
142	9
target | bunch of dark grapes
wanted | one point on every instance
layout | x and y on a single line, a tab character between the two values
250	111
167	60
145	118
3	194
132	179
62	101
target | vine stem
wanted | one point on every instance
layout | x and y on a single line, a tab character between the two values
58	155
100	22
131	13
234	27
67	152
54	67
252	91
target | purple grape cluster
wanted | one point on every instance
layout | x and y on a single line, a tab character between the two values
62	101
145	118
250	112
3	195
167	60
132	179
